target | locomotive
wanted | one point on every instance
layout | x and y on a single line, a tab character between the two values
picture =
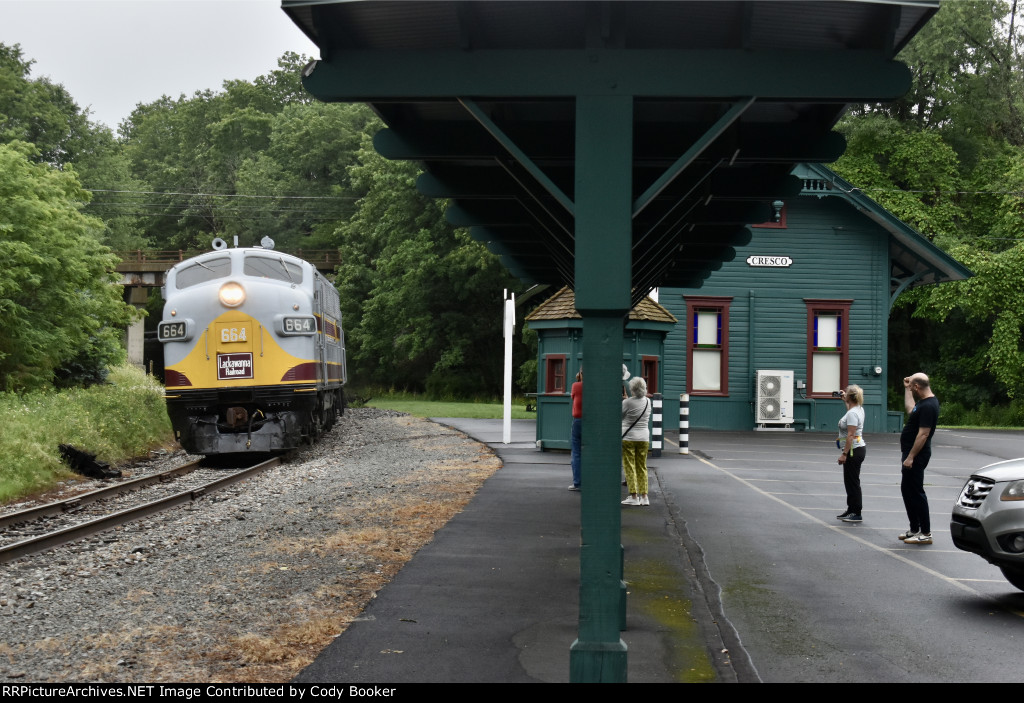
254	352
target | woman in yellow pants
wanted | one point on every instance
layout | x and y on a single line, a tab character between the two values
636	410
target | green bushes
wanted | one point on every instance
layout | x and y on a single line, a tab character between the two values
1009	414
422	406
118	420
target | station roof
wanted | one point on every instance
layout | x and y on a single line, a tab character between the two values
914	260
728	97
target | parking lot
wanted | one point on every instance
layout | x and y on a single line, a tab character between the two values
815	599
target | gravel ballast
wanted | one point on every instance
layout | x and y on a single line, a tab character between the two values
247	584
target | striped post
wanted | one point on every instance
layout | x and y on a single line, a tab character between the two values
684	423
657	431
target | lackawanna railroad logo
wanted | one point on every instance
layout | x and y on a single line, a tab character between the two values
774	261
237	365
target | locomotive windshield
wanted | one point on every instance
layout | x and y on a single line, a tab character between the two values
203	271
275	268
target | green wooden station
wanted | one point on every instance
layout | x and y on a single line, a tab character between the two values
809	295
610	147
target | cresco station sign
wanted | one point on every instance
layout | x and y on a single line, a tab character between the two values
769	261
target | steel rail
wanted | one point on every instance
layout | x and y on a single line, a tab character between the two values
61	507
70	534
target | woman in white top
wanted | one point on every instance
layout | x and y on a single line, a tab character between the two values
851	439
635	412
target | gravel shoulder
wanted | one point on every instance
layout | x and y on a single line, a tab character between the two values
248	584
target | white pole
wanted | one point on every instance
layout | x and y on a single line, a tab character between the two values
684	423
510	326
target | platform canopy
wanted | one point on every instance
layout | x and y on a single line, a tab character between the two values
728	97
610	147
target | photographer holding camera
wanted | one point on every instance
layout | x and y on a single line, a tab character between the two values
851	439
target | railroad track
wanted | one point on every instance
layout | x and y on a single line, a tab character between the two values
30	531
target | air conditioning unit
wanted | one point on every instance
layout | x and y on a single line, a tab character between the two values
773	400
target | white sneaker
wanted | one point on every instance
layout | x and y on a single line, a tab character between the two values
644	500
631	500
919	538
903	536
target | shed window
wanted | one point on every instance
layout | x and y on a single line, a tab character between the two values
707	345
554	373
827	346
649	372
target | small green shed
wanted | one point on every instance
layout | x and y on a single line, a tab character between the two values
560	354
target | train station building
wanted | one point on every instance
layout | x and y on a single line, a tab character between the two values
800	312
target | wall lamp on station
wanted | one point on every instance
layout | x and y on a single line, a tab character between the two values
777	210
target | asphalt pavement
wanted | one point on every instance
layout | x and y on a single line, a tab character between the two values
815	599
739	571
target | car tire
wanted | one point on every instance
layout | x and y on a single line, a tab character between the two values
1014	576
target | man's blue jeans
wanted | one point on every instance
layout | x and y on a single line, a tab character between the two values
576	442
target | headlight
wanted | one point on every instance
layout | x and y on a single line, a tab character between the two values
1014	491
232	294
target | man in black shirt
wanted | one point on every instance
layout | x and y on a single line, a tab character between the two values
916	448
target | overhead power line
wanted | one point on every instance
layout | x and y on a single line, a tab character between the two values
227	195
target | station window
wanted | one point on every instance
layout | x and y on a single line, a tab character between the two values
554	373
707	345
828	346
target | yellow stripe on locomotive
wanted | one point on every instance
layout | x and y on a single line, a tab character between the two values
238	350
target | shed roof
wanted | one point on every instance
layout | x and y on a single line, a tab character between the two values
562	306
726	97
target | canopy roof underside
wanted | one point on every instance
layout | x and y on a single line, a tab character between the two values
726	98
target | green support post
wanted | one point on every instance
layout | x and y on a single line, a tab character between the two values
603	198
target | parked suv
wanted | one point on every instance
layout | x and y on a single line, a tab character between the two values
988	518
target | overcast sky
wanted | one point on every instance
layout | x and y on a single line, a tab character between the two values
113	54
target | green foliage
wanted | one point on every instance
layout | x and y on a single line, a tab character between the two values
58	298
420	299
966	82
527	379
422	302
414	404
38	112
258	159
947	160
116	421
994	294
912	173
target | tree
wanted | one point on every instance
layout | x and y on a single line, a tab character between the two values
36	111
59	300
422	301
947	159
994	296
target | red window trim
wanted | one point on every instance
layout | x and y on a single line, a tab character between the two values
704	302
550	387
652	381
817	306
